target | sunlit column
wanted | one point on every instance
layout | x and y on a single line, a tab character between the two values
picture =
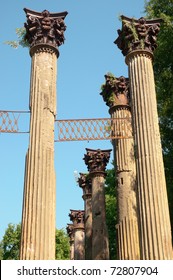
137	40
116	94
44	33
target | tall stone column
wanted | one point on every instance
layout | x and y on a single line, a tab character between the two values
44	33
115	93
137	40
70	232
85	183
77	217
96	161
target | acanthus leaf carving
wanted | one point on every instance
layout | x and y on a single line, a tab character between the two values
96	160
70	230
85	183
115	91
138	34
45	28
77	216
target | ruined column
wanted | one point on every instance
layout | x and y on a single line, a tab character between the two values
44	33
137	40
85	183
96	161
77	217
116	94
70	232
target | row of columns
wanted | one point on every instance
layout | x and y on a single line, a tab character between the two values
95	243
141	192
143	225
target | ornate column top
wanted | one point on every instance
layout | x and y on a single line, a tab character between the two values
77	217
46	29
96	160
138	34
70	232
115	91
85	183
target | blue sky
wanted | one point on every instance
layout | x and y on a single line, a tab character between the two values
87	55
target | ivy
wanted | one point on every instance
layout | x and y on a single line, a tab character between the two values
21	41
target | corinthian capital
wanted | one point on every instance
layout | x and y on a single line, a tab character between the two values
70	230
96	160
138	34
115	91
85	183
45	28
77	217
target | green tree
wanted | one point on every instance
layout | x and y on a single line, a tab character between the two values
111	213
62	245
10	244
163	70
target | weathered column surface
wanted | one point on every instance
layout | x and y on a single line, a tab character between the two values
77	217
137	40
44	32
85	183
70	232
96	161
115	93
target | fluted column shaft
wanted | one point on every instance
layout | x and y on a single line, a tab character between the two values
88	226
100	241
38	221
72	249
79	243
85	183
125	166
155	228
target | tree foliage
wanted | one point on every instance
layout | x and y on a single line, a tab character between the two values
20	32
111	211
163	70
10	244
62	245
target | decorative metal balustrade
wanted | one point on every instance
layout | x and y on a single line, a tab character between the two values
93	129
12	122
72	129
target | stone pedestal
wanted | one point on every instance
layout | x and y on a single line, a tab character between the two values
38	217
115	93
77	217
96	160
85	183
137	40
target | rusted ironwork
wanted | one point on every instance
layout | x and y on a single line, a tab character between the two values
9	121
93	129
71	130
